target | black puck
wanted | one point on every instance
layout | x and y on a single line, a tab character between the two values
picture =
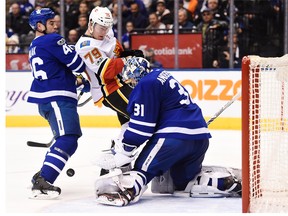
70	172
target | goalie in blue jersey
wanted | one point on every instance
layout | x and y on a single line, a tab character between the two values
173	130
54	90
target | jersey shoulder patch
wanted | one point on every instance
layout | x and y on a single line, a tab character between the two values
61	42
85	43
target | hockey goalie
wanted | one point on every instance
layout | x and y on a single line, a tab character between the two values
165	144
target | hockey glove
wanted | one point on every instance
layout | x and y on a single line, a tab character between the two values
136	53
82	83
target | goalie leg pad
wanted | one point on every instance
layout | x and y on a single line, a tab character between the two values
214	182
106	184
113	198
162	184
119	189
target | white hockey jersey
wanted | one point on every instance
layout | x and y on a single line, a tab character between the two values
102	64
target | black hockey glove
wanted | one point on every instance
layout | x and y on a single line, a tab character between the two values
136	53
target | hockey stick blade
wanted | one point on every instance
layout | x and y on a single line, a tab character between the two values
41	145
235	97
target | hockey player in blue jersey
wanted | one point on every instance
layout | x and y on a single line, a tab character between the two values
172	128
54	90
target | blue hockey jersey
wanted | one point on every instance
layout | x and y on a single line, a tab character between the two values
52	62
161	107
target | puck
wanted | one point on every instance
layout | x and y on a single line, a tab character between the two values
70	172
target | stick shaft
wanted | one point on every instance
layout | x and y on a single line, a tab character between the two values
224	107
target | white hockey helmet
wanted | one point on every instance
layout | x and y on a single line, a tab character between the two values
101	16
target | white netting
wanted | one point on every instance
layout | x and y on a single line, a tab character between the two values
268	136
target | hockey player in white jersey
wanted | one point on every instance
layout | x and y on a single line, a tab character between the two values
102	52
173	130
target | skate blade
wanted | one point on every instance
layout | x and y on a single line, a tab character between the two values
38	195
105	200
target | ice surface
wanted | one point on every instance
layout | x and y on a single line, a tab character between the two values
78	191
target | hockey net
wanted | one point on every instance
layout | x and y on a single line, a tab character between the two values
265	134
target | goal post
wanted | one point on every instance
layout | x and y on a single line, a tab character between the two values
265	134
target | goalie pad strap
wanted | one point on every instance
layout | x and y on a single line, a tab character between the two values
124	191
135	180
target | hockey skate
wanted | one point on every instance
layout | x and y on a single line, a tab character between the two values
42	189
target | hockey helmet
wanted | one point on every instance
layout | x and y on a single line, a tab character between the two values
101	16
40	15
134	70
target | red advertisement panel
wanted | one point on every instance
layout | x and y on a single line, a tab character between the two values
189	49
17	62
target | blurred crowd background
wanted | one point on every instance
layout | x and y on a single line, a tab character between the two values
258	25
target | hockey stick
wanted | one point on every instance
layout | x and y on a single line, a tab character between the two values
235	97
47	145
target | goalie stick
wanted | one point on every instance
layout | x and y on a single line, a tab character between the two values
47	145
235	97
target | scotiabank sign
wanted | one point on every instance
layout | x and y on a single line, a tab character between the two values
17	62
189	48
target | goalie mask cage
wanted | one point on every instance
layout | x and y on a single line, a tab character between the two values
265	134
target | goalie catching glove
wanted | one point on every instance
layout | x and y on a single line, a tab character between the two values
118	156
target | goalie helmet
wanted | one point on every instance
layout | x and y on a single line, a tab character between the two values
134	70
40	15
101	16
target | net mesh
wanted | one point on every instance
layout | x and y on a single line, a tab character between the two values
268	134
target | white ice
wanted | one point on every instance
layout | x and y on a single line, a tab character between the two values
78	191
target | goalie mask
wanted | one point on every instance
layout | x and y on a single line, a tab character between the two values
134	70
40	15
